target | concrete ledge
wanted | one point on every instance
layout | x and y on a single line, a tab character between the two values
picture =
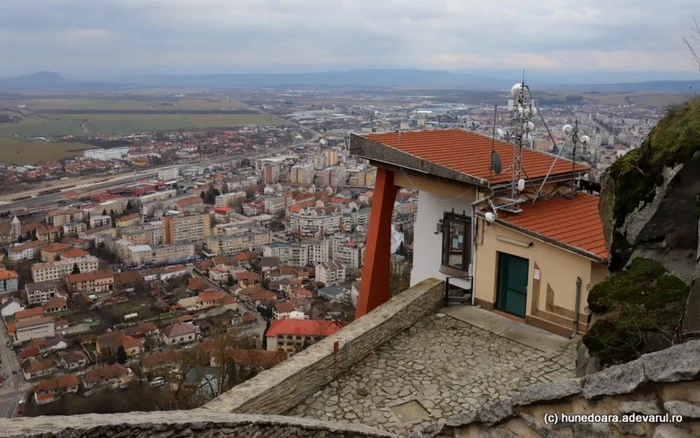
174	424
283	387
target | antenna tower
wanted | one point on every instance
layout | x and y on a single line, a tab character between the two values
522	112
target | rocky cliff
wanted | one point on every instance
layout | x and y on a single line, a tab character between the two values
650	207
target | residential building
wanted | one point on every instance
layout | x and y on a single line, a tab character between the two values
160	359
58	304
232	199
110	375
282	310
128	220
60	270
92	282
34	368
31	313
25	251
349	252
270	173
42	292
254	208
74	360
146	234
109	344
526	258
10	306
228	244
275	204
190	204
50	253
193	228
314	223
302	174
330	273
98	220
74	228
8	281
39	328
73	254
174	252
51	390
169	174
106	154
179	333
333	293
293	335
58	218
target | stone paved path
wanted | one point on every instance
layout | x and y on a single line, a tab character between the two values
447	365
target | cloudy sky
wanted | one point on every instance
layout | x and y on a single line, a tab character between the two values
77	37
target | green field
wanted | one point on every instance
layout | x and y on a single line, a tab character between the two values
147	102
105	124
19	151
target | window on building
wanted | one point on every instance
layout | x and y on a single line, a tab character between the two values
456	244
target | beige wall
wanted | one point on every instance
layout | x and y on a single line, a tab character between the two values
551	299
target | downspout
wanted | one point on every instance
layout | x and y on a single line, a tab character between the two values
577	305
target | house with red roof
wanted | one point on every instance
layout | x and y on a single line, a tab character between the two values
293	335
519	239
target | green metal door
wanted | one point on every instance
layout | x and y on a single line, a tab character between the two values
511	290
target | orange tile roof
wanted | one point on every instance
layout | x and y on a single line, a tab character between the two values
470	153
74	253
573	222
307	327
29	313
6	274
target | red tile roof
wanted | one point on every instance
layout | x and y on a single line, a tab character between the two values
470	153
29	313
210	295
6	274
306	327
573	222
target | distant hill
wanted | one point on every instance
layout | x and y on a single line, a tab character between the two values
47	80
395	78
349	78
681	87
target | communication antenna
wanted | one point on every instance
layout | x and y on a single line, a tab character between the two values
495	158
522	113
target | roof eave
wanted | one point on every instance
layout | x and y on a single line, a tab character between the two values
554	242
383	154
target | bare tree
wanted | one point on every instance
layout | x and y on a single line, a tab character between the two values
693	43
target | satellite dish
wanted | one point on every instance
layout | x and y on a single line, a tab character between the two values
567	129
529	126
585	139
527	138
501	133
496	162
521	185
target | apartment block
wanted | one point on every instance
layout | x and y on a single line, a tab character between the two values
271	173
143	254
59	270
232	199
146	234
330	273
91	282
42	292
302	173
312	224
8	281
186	227
59	218
98	220
26	251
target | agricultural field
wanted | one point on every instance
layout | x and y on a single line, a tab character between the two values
18	151
101	115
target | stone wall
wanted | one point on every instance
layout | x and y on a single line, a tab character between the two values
176	424
660	383
283	387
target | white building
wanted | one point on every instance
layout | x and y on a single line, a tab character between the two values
330	273
98	220
37	328
106	154
180	333
168	174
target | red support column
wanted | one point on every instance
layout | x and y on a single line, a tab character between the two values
375	290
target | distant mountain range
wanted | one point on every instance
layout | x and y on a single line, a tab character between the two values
396	78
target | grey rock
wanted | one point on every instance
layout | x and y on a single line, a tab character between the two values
635	429
620	379
591	430
645	408
496	412
680	362
669	431
547	391
686	409
462	419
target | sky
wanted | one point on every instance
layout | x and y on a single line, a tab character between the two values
87	37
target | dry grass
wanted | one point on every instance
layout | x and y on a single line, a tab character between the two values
18	151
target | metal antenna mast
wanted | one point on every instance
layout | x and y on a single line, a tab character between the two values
521	115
